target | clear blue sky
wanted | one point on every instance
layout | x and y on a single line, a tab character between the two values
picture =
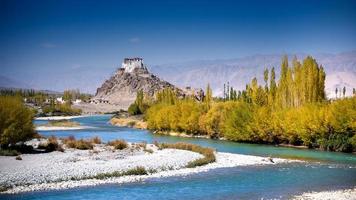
56	35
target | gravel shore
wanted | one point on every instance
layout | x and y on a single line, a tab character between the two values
56	170
60	128
59	117
349	194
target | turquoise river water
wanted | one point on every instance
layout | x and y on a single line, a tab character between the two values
322	171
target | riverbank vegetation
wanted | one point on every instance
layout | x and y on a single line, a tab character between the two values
61	123
15	121
64	109
46	104
292	110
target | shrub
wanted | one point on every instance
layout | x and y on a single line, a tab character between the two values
135	171
81	144
15	121
96	140
70	142
51	145
118	144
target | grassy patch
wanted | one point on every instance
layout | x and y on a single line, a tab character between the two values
62	123
208	153
131	172
9	152
118	144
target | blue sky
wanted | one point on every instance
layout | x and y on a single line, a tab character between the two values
56	35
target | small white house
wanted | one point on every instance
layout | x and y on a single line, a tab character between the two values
60	100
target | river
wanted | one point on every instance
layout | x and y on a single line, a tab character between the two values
321	171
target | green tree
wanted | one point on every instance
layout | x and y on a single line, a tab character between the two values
273	86
208	97
15	121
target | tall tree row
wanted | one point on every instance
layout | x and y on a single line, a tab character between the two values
298	84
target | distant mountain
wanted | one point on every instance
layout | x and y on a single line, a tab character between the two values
7	82
340	70
50	92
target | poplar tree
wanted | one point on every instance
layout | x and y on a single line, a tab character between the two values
273	86
208	97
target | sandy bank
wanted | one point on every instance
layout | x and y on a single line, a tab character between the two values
349	194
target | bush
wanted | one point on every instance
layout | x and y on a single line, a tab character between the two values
96	140
81	144
70	142
135	171
15	121
51	145
118	144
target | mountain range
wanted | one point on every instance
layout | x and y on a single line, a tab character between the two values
340	69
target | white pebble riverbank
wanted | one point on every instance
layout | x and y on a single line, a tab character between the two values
349	194
54	170
60	128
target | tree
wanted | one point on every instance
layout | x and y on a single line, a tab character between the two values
67	95
224	95
273	86
344	91
336	93
265	77
15	121
208	97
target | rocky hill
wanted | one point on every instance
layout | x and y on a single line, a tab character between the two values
133	76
